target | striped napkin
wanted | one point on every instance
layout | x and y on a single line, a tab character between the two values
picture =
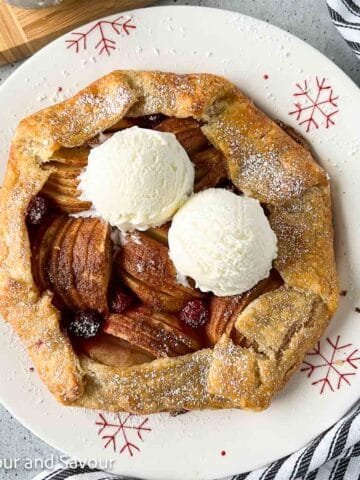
345	15
333	455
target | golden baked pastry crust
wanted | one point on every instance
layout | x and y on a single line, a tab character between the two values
263	161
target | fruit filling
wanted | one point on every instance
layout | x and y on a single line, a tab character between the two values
123	303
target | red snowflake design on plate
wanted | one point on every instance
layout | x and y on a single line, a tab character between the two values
103	32
122	431
331	364
315	105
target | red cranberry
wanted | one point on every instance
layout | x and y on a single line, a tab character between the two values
37	211
149	121
195	313
121	300
85	324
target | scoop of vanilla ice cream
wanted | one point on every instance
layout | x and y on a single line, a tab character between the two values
223	241
137	179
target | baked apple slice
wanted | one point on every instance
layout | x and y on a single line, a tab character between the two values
57	279
209	164
225	310
160	233
92	262
144	265
109	132
72	258
187	132
150	296
158	334
62	185
64	278
113	351
41	246
210	169
120	125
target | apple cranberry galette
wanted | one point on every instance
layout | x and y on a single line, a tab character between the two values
164	245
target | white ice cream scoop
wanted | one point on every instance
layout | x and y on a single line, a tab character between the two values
223	241
137	179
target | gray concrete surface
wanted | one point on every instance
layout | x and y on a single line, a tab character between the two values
309	20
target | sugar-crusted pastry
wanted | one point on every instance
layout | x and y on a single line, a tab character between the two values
111	325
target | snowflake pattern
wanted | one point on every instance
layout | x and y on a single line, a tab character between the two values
103	32
122	431
331	364
315	105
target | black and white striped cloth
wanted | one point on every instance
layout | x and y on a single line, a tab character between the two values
345	15
333	455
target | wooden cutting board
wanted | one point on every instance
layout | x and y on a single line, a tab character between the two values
23	32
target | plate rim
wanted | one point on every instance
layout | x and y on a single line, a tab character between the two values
18	72
188	7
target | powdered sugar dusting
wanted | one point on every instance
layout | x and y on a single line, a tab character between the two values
90	109
265	163
282	181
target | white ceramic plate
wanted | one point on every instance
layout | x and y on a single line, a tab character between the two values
283	75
